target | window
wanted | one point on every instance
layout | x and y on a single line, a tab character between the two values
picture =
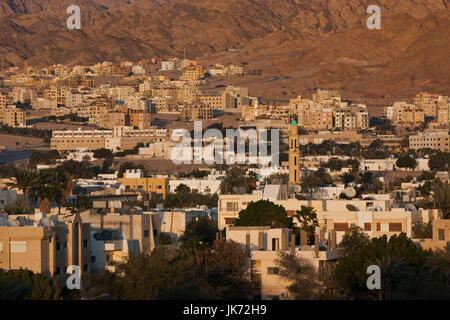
367	226
440	234
146	233
395	227
58	271
273	270
85	267
85	243
275	244
58	246
232	206
378	226
65	244
92	259
341	226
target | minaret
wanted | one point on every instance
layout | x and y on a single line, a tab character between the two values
294	155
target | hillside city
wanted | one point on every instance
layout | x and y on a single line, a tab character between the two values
161	179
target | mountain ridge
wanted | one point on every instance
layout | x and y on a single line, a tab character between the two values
328	39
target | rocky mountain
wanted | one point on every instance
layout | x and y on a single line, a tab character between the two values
297	44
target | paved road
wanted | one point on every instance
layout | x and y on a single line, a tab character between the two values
13	156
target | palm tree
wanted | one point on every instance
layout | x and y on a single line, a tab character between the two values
439	263
347	177
45	188
234	180
63	187
440	196
25	181
395	275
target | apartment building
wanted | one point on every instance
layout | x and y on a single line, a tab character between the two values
318	118
405	114
71	140
428	102
437	140
134	180
215	101
443	111
12	116
56	93
194	73
120	138
264	244
196	111
3	101
139	119
343	137
110	120
116	236
44	245
351	118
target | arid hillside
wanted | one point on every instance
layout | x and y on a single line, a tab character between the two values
297	44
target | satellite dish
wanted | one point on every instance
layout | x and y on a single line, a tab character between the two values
22	220
410	207
297	188
377	209
351	207
350	192
370	198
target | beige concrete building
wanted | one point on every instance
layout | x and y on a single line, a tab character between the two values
405	114
120	138
44	245
428	102
2	101
264	244
12	116
196	111
437	140
134	180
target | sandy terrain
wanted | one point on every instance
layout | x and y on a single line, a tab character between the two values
159	165
50	125
10	142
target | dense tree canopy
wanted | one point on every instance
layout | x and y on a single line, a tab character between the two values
264	213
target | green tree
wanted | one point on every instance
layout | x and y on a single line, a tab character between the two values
439	161
303	277
226	269
440	196
406	161
25	181
103	154
263	213
351	271
354	239
30	285
199	233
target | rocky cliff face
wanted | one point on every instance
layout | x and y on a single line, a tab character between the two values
298	44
